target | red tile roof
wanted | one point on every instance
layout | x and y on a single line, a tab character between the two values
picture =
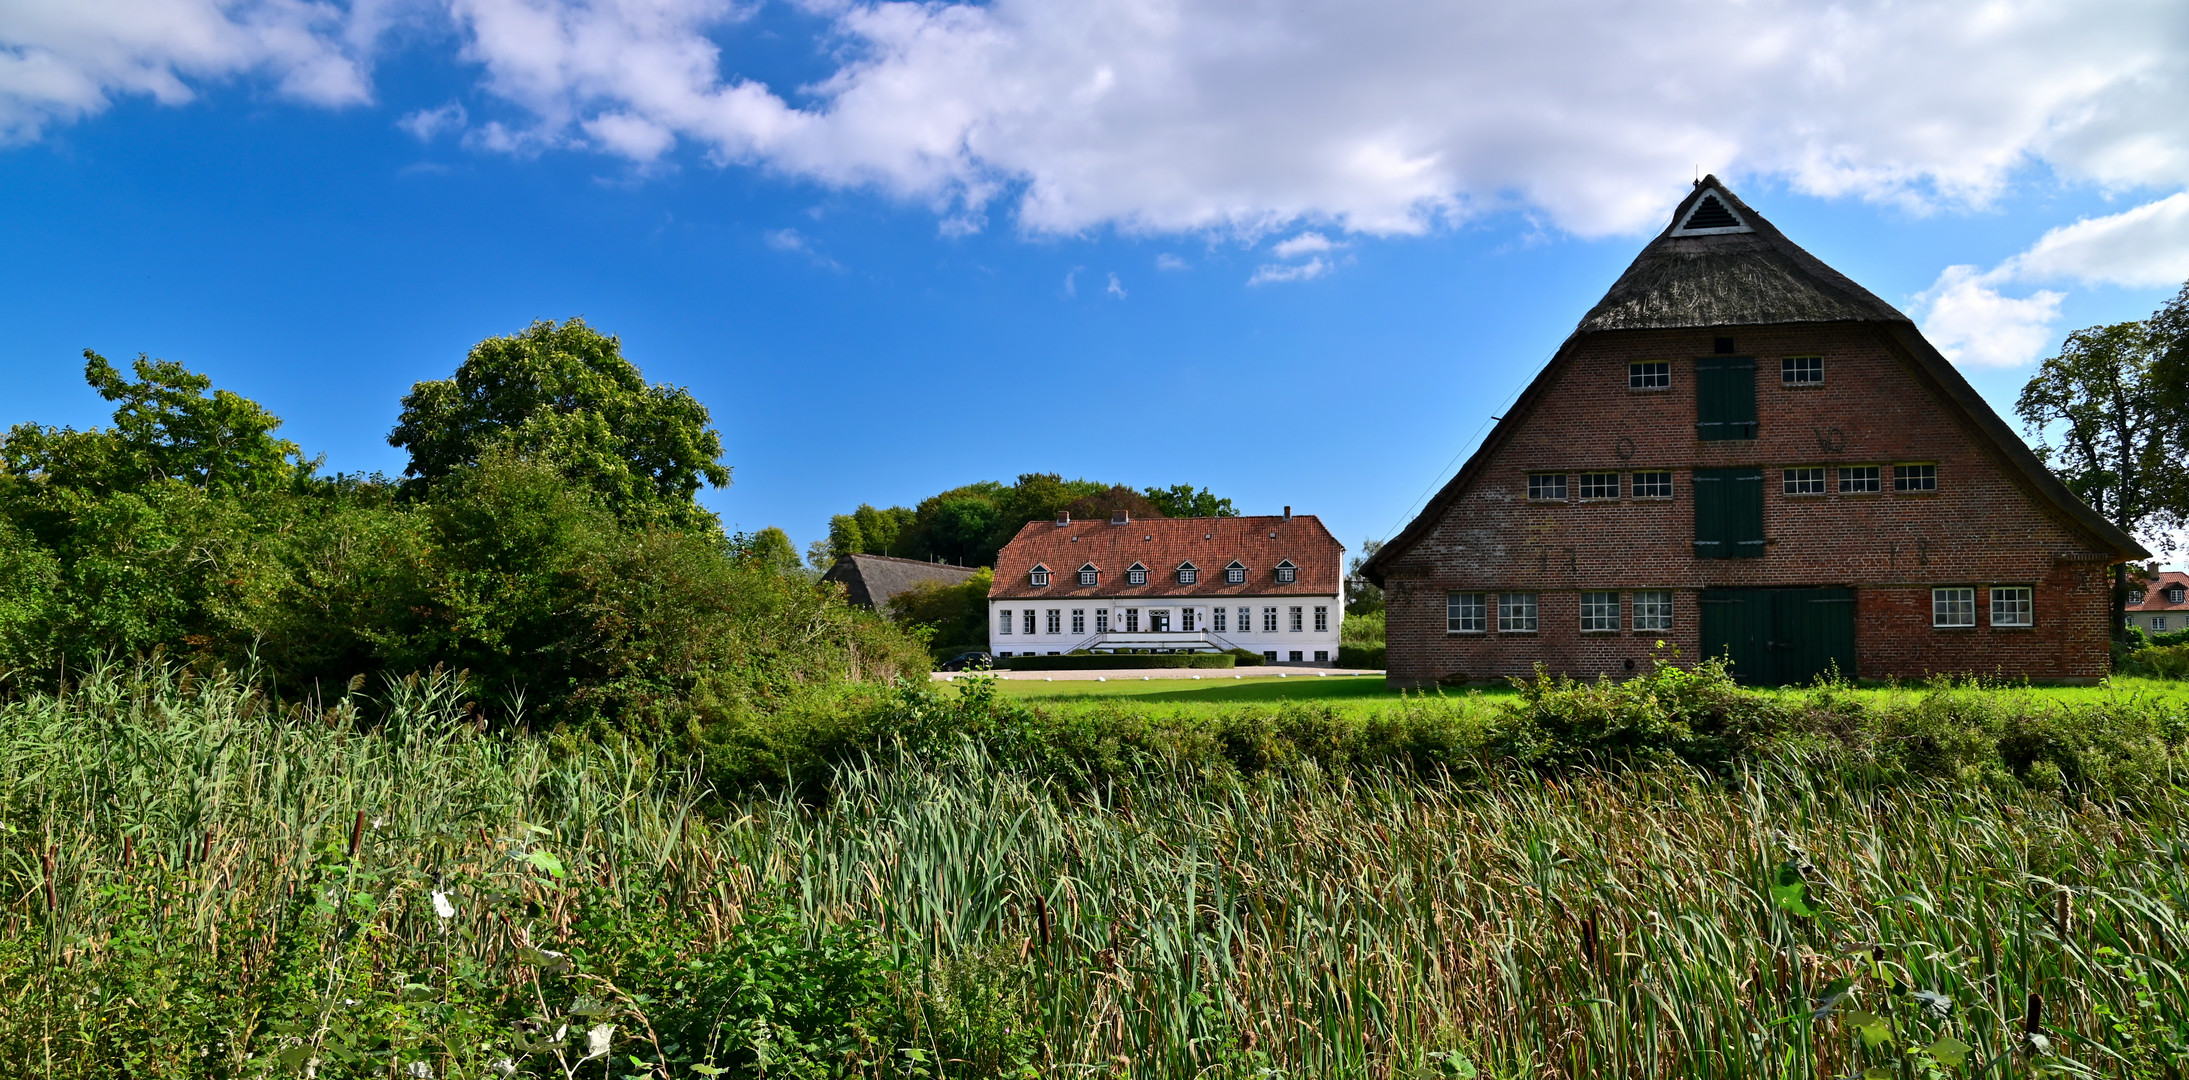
2154	598
1161	544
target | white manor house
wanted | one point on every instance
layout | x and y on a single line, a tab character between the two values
1272	585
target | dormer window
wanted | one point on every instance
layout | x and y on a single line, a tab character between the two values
1236	573
1136	574
2175	593
1188	573
1287	573
1039	576
1088	575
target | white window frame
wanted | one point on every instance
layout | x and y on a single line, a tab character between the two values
1296	621
1546	487
1188	574
1923	481
1649	375
1132	620
1634	483
1039	575
1136	574
2017	602
1003	620
1235	574
1872	477
1055	621
2176	594
1466	613
1953	607
1652	611
1102	620
2158	623
1802	480
1598	476
1217	621
1026	619
1322	618
1517	613
1246	620
1287	573
1088	575
1269	620
1079	622
1798	371
1186	619
1595	617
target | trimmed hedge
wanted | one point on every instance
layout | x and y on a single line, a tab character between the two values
1360	656
1123	660
1248	657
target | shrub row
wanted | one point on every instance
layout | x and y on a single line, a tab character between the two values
1098	662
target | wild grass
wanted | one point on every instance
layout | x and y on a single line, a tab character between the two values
197	881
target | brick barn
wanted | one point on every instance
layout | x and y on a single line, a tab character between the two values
1741	452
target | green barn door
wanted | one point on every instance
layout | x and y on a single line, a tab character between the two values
1777	637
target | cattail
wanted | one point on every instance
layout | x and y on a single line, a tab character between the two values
53	898
129	850
1041	917
1588	938
357	833
2033	1013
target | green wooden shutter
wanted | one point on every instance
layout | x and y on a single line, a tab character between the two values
1710	514
1743	513
1725	398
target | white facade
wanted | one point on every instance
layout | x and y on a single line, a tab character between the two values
1284	629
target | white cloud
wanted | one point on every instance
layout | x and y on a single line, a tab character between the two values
1973	324
795	242
62	60
1306	243
1307	271
1116	288
427	124
1168	261
2144	247
1071	281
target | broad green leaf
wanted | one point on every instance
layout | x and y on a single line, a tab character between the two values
1949	1051
546	861
1875	1030
1790	892
295	1055
1880	1072
1834	992
707	1070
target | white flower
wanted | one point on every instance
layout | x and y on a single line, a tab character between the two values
504	1067
596	1040
441	906
421	1070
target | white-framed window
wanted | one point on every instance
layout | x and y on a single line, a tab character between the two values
1088	575
1039	575
1132	620
1294	656
2158	622
1136	574
1217	620
1547	487
1287	573
1102	620
1295	618
1599	485
1465	613
1026	619
1269	620
1079	621
1858	480
2013	605
1186	617
1516	613
1246	620
1651	375
1599	612
1322	619
1236	573
1915	478
1003	621
1802	371
2175	594
1806	480
1322	656
1056	621
1953	605
1652	485
1188	573
1653	610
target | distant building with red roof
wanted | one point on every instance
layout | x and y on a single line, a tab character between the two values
1272	585
2163	606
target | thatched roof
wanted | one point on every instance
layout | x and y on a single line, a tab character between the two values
871	580
1719	263
1703	271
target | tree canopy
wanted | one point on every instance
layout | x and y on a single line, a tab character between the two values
967	525
564	396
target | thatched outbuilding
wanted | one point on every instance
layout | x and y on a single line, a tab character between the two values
871	580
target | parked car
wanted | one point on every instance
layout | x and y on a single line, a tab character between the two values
974	660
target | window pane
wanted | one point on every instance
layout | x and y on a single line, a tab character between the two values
1516	613
1599	611
1654	376
1652	485
1003	622
1547	486
2012	605
1079	620
1953	607
1802	370
1465	613
1858	480
1915	478
1599	485
1805	481
1269	620
1295	613
1653	611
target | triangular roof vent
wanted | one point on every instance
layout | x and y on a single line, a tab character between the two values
1711	217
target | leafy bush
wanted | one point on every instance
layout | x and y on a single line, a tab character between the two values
2169	661
1101	661
1697	715
1360	656
1247	657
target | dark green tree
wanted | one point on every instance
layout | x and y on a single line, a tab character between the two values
564	396
1362	596
1182	501
2097	412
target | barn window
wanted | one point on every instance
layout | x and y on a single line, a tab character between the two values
1652	611
1516	613
1599	612
1599	485
1652	485
1802	371
1465	613
1729	513
1656	375
1858	480
1804	481
2013	605
1953	607
1547	487
1915	478
1725	399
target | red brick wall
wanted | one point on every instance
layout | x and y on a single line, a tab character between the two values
1983	527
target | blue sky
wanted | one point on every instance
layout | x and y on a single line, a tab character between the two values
1298	257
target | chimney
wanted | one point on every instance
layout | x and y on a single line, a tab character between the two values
1288	513
1119	517
1063	518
